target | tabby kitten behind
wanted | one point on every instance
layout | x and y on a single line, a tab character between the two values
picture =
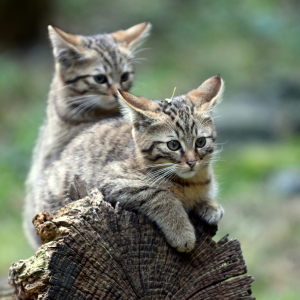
89	70
157	161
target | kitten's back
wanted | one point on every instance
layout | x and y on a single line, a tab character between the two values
105	143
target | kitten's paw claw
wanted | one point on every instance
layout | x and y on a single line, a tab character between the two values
213	214
184	242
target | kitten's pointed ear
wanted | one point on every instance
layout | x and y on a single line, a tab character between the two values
137	108
133	36
208	94
66	46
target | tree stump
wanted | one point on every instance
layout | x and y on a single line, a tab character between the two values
92	250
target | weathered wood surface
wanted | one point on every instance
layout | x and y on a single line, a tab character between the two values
95	251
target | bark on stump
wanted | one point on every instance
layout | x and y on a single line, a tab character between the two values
94	251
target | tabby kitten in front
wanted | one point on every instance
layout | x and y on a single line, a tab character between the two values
156	161
89	70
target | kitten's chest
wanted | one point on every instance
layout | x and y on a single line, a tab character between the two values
190	195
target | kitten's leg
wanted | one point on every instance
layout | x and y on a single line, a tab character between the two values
209	211
171	217
161	206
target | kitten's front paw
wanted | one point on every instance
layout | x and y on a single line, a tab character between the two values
183	241
212	214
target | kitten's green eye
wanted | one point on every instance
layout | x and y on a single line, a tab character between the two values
124	76
173	145
100	78
200	142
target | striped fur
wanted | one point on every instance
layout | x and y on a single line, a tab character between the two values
130	161
79	93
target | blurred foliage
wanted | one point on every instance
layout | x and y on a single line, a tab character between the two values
254	45
243	168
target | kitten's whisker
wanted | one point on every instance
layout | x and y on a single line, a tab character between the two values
138	60
79	99
157	165
92	103
82	107
200	122
60	88
167	177
216	117
172	175
86	104
216	152
156	173
153	175
158	176
78	109
221	144
157	179
135	51
95	103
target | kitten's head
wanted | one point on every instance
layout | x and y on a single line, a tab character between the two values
177	137
93	68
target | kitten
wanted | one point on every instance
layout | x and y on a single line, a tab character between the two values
89	70
156	161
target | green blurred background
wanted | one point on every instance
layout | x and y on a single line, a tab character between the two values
254	45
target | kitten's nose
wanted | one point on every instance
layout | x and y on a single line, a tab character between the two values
191	163
113	89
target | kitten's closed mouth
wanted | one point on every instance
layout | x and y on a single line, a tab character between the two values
107	102
188	173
